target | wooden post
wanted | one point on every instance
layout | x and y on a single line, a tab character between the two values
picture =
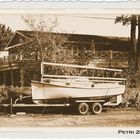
93	46
11	106
12	78
4	77
22	77
110	57
42	71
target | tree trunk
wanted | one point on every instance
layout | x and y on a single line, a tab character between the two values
133	63
138	44
132	57
138	52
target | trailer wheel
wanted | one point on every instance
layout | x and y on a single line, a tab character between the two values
96	108
83	108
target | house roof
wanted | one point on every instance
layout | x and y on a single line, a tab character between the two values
23	35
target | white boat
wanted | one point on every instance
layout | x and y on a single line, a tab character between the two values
57	91
60	86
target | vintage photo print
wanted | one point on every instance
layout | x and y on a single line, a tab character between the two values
70	74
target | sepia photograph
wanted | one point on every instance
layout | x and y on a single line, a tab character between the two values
69	70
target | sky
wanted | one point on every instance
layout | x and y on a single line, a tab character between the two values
92	24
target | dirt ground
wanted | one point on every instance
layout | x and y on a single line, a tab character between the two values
108	118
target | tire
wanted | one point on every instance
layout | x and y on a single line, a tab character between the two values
83	108
96	108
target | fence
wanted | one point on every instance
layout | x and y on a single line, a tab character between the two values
13	58
100	58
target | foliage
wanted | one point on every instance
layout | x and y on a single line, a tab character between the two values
124	19
48	45
5	35
134	62
51	46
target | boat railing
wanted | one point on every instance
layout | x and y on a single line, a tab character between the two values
88	77
75	80
80	66
49	77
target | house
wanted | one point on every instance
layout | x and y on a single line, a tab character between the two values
107	52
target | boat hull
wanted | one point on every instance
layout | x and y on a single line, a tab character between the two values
46	91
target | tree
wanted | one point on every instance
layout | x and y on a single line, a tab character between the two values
50	46
5	35
134	21
138	45
43	45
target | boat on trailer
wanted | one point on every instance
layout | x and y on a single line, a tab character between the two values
83	93
55	87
